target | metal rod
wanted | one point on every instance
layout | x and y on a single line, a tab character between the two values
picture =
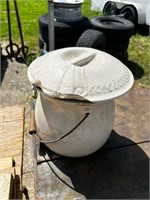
51	29
19	26
9	27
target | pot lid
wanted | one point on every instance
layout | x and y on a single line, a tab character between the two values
69	1
80	73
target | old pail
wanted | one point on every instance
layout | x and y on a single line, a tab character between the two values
75	108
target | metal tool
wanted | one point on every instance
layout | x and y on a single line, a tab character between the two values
23	49
12	49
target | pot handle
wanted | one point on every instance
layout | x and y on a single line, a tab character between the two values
33	130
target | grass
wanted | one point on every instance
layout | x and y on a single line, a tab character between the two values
29	12
139	59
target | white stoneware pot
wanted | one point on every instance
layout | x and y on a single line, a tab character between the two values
75	109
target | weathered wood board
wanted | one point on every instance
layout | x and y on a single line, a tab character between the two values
11	132
6	163
17	187
11	143
6	186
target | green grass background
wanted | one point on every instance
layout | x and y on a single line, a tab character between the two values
29	12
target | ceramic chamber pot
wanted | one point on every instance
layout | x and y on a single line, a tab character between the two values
55	118
75	109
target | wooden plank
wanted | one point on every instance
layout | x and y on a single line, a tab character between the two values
11	140
11	171
6	113
17	177
11	143
6	186
6	163
11	132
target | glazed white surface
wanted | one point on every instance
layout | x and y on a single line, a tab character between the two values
78	72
